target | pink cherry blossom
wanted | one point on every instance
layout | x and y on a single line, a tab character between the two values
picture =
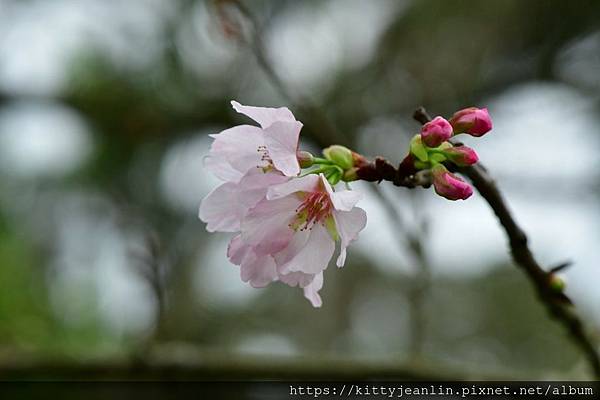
449	185
273	145
436	131
296	226
473	121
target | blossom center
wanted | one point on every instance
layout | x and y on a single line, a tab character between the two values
265	158
315	208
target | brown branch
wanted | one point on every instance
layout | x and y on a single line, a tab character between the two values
556	302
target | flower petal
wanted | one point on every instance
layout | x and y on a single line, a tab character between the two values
348	224
343	200
238	146
259	271
311	292
309	251
306	183
237	250
266	228
281	139
221	168
224	208
265	116
219	209
296	279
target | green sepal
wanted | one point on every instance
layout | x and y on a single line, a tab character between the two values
437	157
418	149
334	175
421	164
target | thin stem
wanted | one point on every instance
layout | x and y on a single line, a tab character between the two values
319	160
557	303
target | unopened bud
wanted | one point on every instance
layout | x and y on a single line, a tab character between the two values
449	185
557	283
305	159
436	132
461	155
340	155
473	121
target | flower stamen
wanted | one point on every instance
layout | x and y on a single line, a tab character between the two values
315	208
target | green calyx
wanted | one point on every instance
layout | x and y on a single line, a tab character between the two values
332	173
340	156
427	157
338	164
418	149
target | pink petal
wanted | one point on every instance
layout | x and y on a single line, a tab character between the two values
296	279
224	208
281	139
343	200
265	227
219	209
259	271
219	166
237	250
257	179
348	224
265	116
309	251
238	146
306	183
311	292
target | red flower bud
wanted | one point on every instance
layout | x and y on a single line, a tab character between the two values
436	132
449	185
473	121
461	155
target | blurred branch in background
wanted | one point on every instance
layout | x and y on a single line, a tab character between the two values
556	302
186	363
324	132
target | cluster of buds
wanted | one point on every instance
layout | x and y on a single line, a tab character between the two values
432	150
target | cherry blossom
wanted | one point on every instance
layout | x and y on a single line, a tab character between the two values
295	229
270	146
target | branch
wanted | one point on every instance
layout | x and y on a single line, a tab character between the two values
557	303
188	363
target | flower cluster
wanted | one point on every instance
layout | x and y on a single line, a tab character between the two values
288	208
286	224
431	149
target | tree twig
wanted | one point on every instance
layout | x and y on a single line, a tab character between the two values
556	302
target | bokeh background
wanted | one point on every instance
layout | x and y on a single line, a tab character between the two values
105	111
